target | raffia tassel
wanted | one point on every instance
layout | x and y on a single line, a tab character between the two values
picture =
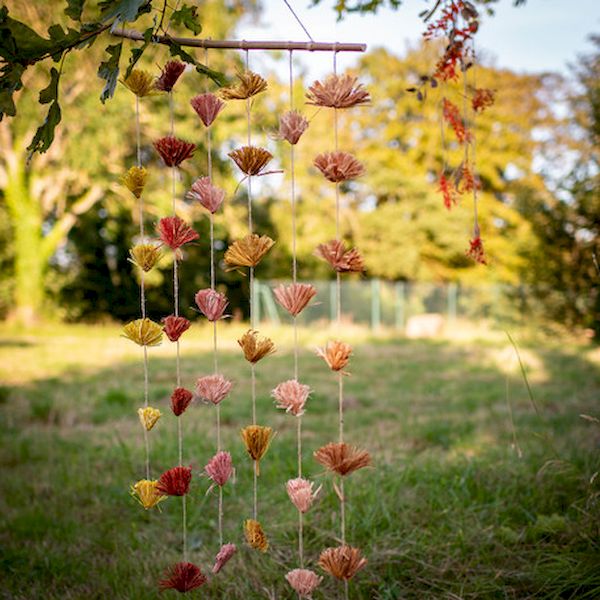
249	84
342	458
257	439
141	83
339	166
145	256
303	581
255	535
248	251
255	347
149	417
169	75
223	557
336	354
340	259
291	126
135	180
343	562
337	91
143	332
183	577
294	297
146	493
251	160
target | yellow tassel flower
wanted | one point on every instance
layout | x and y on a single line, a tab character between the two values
249	84
145	256
255	536
141	83
135	180
255	347
248	251
143	332
148	417
257	439
146	493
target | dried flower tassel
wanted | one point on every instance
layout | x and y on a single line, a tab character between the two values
295	297
301	493
482	99
213	388
291	395
448	191
248	251
146	493
337	91
207	107
452	116
303	581
175	327
255	536
342	260
219	468
175	232
342	458
223	557
149	417
140	82
338	166
251	159
254	347
175	481
143	332
169	75
180	400
212	304
210	196
476	251
183	577
249	84
291	126
135	180
257	439
145	256
174	151
336	354
343	562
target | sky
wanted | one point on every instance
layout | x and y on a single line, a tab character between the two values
542	35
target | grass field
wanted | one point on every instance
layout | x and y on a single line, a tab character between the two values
459	503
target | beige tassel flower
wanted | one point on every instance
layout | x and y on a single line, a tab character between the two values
149	417
135	180
342	260
291	395
145	256
257	439
337	91
291	126
251	159
339	166
143	332
249	84
248	251
301	493
342	458
255	536
343	562
303	581
146	493
255	347
141	83
336	354
295	297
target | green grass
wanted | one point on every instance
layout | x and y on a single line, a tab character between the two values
450	509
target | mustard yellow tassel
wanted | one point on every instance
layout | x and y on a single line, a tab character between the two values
145	256
146	493
255	536
141	83
143	332
148	417
135	180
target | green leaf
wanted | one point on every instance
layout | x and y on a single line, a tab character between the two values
45	133
124	10
10	82
177	50
50	93
136	53
74	9
109	70
187	16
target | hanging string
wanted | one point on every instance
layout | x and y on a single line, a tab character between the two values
476	231
299	21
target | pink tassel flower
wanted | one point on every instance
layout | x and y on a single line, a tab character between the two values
301	493
342	260
180	400
222	558
174	151
175	232
207	107
294	297
212	304
210	196
219	468
175	327
292	396
303	581
213	388
338	166
169	75
291	126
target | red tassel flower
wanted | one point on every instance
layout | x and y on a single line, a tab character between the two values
175	327
174	151
183	577
175	232
207	107
476	251
448	191
180	400
169	75
175	481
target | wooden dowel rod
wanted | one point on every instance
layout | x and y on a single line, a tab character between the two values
245	45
